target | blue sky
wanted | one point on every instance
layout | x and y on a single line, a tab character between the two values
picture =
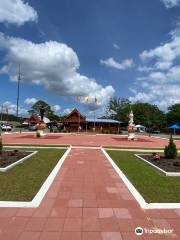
101	49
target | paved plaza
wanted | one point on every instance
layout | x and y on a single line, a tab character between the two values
87	140
87	200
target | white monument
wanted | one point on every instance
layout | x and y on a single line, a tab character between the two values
131	127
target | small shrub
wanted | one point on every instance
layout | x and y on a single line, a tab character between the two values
170	151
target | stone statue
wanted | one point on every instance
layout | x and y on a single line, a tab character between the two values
41	125
131	119
131	127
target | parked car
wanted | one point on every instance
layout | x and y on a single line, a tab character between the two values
5	127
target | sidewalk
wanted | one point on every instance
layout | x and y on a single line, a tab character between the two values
87	201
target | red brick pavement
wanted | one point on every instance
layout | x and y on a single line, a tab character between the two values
87	140
87	201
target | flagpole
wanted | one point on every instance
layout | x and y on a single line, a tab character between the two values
19	78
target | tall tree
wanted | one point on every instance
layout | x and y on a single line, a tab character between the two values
173	114
119	109
148	115
144	113
35	109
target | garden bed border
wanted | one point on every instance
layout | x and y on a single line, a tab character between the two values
5	169
43	189
139	198
168	174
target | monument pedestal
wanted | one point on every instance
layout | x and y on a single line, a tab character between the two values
40	133
131	136
131	127
41	126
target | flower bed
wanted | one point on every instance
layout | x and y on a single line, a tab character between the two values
9	159
170	167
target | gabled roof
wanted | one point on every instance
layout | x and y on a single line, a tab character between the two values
34	118
77	112
37	119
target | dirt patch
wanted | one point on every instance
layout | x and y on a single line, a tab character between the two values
9	157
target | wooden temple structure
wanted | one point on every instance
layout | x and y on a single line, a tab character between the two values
76	122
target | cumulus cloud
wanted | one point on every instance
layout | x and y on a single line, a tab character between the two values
17	12
159	82
30	101
11	108
161	95
110	62
165	54
56	108
66	111
171	3
54	66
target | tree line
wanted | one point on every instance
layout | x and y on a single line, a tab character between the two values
146	114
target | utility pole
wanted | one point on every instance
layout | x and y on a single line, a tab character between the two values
19	78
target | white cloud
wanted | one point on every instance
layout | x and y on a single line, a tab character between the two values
16	12
116	46
171	3
144	69
161	88
110	62
165	54
66	111
141	97
54	66
161	95
160	82
30	101
12	108
56	108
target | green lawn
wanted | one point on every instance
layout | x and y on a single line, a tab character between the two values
22	182
152	185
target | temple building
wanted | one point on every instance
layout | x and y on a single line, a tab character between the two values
75	122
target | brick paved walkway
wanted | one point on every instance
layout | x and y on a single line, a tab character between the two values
86	140
87	201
